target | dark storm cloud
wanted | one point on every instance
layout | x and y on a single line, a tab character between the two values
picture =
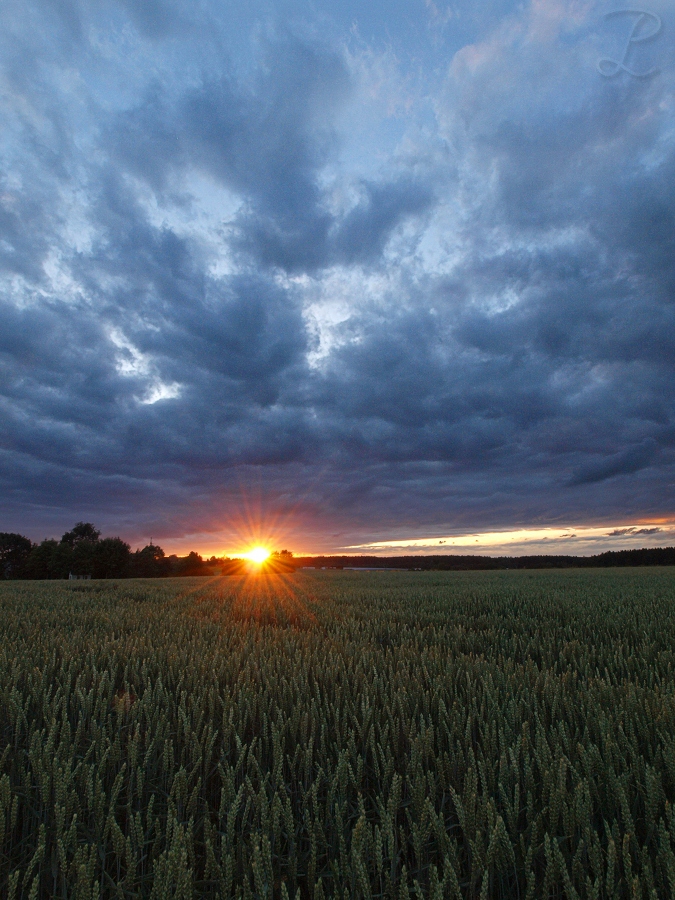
507	268
362	235
268	142
632	460
23	247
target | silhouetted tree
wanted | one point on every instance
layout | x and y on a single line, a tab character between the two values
192	564
79	551
14	552
83	531
78	548
49	559
150	562
111	558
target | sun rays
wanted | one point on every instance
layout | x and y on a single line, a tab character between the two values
255	596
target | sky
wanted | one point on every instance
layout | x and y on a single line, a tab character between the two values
339	276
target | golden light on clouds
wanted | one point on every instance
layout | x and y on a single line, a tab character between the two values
570	540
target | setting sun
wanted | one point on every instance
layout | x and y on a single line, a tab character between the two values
257	555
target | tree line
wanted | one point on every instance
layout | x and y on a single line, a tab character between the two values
449	562
84	553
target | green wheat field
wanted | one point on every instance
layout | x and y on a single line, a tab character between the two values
340	735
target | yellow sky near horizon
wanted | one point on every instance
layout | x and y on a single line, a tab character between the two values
574	540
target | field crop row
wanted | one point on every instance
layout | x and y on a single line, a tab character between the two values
340	735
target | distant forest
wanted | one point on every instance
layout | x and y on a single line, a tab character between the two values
658	556
83	553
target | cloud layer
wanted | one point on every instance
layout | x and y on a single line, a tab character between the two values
371	283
